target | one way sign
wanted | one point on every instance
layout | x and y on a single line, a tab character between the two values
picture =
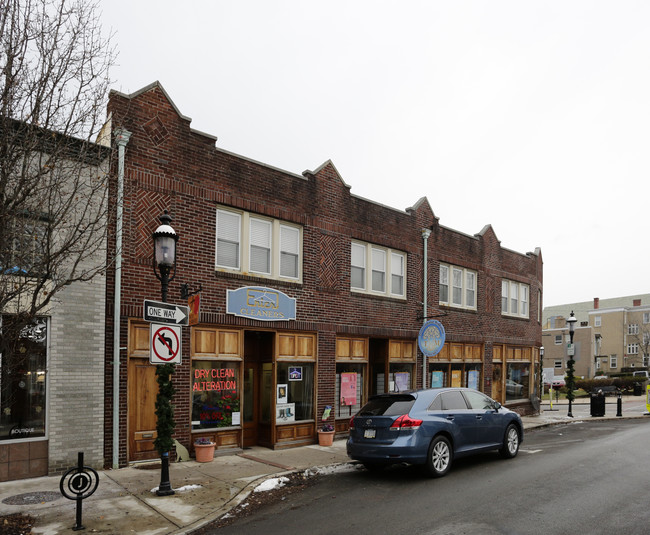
166	313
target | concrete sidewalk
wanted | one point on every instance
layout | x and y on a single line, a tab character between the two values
124	502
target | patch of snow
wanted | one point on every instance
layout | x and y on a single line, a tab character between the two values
270	484
180	489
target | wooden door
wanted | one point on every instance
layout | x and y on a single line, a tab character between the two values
142	392
251	403
497	383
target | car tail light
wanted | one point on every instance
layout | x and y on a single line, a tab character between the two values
405	422
351	423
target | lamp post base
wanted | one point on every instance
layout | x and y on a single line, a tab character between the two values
165	487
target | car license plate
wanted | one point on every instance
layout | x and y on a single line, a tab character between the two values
369	433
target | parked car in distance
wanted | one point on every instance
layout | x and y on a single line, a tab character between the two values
557	382
431	428
643	375
514	389
601	377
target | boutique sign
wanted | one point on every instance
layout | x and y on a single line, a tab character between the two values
258	303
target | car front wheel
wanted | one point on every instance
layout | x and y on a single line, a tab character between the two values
439	458
510	446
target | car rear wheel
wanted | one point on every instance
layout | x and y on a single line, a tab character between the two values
439	457
510	446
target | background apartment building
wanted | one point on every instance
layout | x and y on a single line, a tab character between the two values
611	335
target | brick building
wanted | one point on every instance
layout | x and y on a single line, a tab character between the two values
265	244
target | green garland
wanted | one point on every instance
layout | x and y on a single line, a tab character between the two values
570	382
164	409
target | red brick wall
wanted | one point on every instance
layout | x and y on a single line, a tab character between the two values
168	166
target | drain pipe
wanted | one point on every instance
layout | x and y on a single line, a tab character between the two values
121	138
425	236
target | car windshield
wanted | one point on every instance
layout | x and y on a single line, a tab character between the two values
387	406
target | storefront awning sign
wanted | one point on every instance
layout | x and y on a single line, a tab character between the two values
258	303
431	338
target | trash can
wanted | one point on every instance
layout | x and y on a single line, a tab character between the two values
597	403
638	389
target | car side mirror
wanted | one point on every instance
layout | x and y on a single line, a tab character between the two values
497	406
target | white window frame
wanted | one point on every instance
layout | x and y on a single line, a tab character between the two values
597	321
261	238
558	339
378	270
633	328
558	364
378	260
646	318
515	299
633	349
646	360
228	239
289	248
613	361
277	244
456	280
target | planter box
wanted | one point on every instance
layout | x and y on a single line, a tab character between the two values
204	453
325	438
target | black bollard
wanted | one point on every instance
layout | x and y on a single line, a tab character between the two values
619	405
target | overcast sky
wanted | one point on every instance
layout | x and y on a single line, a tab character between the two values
533	117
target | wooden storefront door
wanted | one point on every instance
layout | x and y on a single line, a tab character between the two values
142	392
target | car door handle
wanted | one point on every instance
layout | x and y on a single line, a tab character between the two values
479	417
450	418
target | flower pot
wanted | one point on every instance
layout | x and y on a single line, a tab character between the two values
204	453
325	438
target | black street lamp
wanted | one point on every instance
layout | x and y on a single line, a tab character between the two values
571	320
164	259
164	253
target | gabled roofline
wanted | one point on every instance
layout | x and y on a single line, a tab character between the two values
158	85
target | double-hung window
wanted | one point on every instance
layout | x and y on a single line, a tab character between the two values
358	268
289	251
377	270
260	246
228	239
633	349
633	328
25	242
514	299
457	287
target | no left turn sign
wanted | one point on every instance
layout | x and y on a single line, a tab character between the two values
165	346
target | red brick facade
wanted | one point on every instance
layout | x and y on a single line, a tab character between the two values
171	167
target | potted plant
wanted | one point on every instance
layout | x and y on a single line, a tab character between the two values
204	450
326	435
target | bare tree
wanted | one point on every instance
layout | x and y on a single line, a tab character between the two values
54	79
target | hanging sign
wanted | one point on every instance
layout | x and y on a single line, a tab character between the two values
165	346
431	338
258	303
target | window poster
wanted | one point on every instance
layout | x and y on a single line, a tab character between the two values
402	380
348	388
285	412
455	378
295	373
437	379
282	394
472	379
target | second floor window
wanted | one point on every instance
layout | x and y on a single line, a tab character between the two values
377	270
633	328
632	349
263	247
457	287
514	299
23	250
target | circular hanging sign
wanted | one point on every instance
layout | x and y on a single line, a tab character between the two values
431	338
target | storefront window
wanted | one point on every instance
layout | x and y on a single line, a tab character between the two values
439	375
400	377
349	388
215	394
22	382
294	392
517	380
